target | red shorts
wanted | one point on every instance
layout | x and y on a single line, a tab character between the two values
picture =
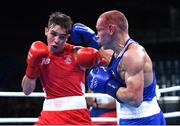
108	114
70	117
70	110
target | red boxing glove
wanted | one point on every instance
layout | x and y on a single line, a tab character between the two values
89	57
37	52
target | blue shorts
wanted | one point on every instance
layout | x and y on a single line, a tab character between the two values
157	119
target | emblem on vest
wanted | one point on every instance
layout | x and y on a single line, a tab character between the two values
68	59
46	61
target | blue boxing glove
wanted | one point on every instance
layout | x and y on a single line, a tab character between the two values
100	80
81	34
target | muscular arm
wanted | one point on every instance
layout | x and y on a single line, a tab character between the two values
37	52
133	64
28	85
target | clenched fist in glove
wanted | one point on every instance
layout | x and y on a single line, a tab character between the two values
83	34
37	52
89	57
101	80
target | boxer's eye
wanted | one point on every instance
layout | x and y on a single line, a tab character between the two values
61	36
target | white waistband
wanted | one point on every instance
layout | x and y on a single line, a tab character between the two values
64	103
147	108
104	100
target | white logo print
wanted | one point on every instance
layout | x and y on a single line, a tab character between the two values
46	60
68	59
112	86
94	83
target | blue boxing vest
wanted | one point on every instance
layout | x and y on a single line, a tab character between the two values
149	107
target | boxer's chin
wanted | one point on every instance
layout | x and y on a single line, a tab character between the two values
54	49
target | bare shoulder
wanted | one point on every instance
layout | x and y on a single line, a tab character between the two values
134	57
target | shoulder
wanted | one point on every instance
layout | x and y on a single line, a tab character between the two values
134	57
135	51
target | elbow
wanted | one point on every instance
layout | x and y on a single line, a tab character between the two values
136	102
28	87
27	92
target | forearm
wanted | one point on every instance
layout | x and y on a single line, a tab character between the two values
128	97
28	85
